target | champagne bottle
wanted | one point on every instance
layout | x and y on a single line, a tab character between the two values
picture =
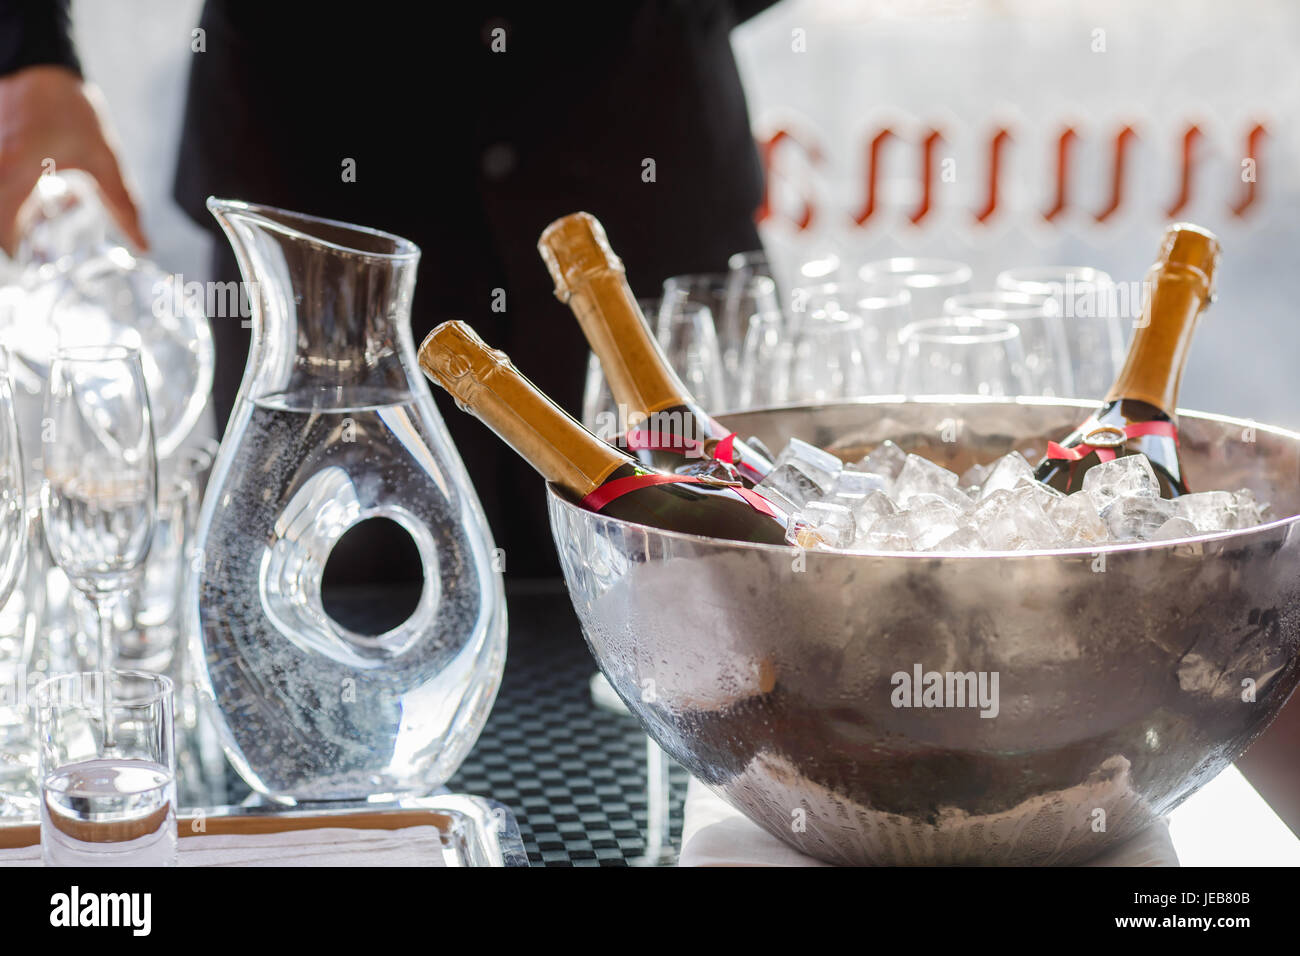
669	430
1138	412
593	473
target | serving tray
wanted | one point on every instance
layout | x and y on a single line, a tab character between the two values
475	831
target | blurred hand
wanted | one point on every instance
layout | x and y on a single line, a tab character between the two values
48	113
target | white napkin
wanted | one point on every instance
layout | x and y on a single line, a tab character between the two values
716	834
411	846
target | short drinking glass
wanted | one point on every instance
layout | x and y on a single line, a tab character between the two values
1042	334
928	281
1088	305
731	298
102	803
961	356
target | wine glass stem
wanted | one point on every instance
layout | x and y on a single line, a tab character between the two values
103	605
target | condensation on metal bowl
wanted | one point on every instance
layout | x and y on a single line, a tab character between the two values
1127	676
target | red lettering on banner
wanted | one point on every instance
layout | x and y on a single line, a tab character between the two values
1000	139
1064	146
927	176
1122	140
873	175
998	148
1185	178
767	156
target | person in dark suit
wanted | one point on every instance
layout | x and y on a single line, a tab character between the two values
470	126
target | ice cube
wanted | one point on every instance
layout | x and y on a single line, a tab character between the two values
1016	523
1124	477
1208	510
868	509
1175	527
963	539
1247	511
1005	473
759	447
859	484
921	476
889	533
830	523
1076	518
793	485
984	511
973	477
955	497
887	459
931	520
1045	495
820	465
927	499
1136	517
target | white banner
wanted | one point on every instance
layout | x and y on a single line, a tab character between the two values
1034	133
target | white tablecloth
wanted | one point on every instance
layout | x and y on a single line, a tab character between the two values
1225	823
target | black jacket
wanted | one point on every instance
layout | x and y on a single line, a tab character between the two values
470	153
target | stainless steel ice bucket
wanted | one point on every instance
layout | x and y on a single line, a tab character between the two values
1127	677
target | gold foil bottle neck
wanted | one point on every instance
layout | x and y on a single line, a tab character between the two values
457	359
574	249
1192	247
486	384
1181	285
589	278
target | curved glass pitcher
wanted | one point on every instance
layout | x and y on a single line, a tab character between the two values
333	426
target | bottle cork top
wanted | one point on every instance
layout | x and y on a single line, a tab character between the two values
1194	247
457	359
575	248
486	384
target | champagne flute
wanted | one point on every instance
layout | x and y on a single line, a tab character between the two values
731	298
99	494
689	339
13	499
766	360
827	362
884	313
15	645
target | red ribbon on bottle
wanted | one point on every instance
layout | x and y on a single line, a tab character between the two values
602	496
724	450
1078	452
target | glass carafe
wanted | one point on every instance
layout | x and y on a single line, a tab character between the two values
333	426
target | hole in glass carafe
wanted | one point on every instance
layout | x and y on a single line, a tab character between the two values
373	578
